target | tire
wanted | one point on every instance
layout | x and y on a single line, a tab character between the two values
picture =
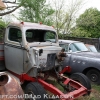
35	89
94	76
81	78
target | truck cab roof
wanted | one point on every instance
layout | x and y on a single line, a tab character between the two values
32	25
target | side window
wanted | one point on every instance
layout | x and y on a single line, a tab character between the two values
15	34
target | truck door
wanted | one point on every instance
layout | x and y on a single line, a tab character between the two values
13	50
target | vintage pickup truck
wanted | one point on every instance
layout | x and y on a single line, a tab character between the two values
80	59
31	53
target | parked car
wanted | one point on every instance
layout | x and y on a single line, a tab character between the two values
92	48
80	59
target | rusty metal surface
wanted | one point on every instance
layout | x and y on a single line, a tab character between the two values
10	89
2	5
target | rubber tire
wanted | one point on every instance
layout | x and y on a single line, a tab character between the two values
81	78
37	89
95	72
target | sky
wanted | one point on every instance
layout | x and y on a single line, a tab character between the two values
91	3
85	4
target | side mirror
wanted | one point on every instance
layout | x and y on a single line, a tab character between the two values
40	52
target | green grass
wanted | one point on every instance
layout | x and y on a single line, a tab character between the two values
96	87
95	94
54	82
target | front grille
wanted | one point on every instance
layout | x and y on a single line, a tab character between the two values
51	60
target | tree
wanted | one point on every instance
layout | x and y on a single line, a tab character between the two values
11	6
65	14
36	11
88	24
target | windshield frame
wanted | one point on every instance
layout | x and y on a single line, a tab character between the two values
37	44
53	32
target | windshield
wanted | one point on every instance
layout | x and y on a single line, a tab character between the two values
78	46
33	35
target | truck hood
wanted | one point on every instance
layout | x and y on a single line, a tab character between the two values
47	48
87	54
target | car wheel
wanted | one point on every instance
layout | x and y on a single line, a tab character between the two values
94	76
81	78
35	91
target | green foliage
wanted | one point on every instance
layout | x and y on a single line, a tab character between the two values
36	11
88	24
2	28
2	24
